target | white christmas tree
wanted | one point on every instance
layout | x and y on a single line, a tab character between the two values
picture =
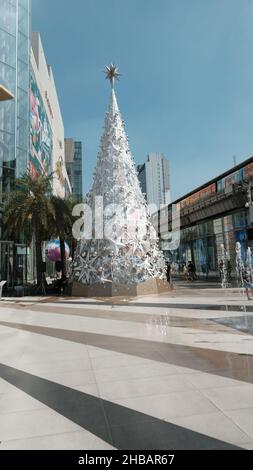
128	251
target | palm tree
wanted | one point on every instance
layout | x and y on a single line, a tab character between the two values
28	211
61	222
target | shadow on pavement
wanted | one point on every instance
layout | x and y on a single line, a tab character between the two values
117	425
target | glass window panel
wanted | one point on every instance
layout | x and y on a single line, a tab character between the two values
22	104
24	3
23	53
22	133
8	17
240	219
21	162
23	23
7	146
7	48
7	116
7	175
8	77
23	75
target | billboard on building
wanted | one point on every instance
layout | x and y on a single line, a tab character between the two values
199	195
41	137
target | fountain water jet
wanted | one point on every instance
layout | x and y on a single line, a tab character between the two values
248	265
239	265
224	268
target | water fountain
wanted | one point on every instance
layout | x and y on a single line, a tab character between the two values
223	265
248	265
244	271
239	265
248	274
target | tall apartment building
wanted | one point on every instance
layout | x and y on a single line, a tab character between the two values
74	165
141	171
47	150
154	180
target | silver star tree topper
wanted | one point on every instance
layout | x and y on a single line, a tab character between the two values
112	73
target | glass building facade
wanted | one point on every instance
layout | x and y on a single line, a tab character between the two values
78	174
202	242
141	172
14	75
74	164
14	121
218	213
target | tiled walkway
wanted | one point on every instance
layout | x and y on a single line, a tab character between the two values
161	372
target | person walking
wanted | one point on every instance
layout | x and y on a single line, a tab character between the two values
207	269
191	271
185	272
168	271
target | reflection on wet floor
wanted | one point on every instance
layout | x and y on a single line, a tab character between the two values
181	306
243	323
224	363
166	321
161	322
223	308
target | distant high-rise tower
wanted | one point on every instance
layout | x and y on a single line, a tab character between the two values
73	159
141	171
154	179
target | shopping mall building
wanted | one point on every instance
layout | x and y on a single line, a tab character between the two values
217	213
31	126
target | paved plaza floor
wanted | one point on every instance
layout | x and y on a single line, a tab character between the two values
170	371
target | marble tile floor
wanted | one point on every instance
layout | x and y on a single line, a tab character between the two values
156	372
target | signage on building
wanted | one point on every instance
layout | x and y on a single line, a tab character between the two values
59	171
41	137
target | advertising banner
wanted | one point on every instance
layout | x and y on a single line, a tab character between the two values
41	139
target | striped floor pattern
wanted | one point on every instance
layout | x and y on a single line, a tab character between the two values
161	372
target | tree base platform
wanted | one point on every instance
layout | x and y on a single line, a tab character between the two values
151	286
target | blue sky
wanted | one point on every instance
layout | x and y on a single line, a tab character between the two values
187	78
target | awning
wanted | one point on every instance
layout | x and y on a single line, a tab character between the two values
5	94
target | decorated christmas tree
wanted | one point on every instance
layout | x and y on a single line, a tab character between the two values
127	252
